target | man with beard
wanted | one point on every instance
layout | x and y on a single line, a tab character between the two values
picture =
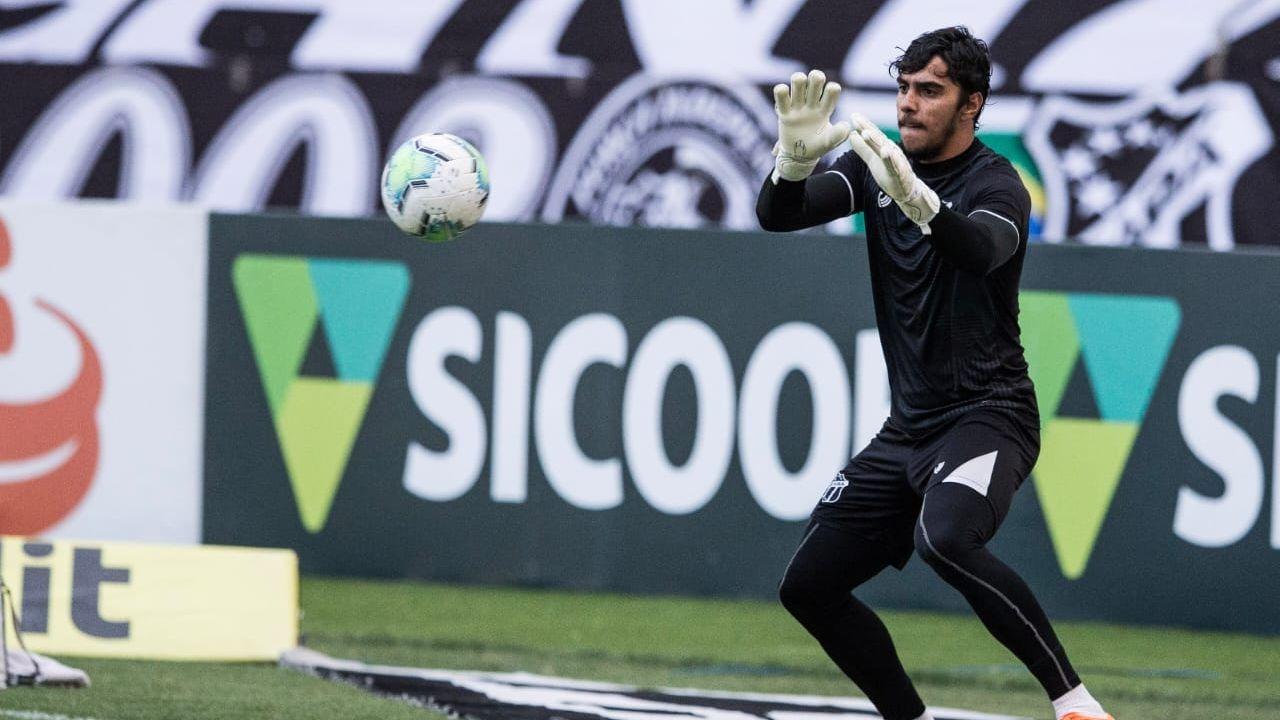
946	225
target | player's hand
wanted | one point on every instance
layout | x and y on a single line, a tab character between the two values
805	132
893	173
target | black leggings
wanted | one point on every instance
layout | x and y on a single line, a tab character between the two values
951	535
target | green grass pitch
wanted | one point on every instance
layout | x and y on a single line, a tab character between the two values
1139	673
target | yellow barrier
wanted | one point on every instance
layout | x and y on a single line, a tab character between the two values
163	602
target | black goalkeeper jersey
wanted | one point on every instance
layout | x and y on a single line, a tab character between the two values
949	334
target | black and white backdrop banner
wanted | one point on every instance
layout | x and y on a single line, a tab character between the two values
1132	121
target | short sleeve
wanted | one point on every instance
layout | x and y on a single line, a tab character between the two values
1000	192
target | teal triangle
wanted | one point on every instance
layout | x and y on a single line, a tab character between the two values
360	305
1125	340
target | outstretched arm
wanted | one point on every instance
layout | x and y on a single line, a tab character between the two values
790	198
787	205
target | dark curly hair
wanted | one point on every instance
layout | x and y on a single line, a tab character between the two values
968	60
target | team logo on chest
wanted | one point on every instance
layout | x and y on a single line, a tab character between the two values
884	200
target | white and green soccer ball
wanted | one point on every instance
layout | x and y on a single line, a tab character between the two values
435	186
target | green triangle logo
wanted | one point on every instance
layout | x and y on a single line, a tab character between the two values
1124	342
1051	345
284	300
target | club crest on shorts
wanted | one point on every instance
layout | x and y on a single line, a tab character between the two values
836	487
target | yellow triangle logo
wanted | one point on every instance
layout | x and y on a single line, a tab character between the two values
1076	478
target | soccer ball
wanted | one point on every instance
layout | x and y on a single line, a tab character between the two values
435	186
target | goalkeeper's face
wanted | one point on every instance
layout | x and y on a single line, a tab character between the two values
931	113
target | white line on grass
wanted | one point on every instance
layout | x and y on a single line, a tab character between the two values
35	715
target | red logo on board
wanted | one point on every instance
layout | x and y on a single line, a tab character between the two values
49	447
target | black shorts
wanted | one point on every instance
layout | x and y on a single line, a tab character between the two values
878	493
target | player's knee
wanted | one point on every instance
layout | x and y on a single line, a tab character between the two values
940	542
795	595
802	597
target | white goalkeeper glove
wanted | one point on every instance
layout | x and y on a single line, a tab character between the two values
805	132
893	173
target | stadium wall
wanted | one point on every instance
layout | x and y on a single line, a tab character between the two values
629	410
600	408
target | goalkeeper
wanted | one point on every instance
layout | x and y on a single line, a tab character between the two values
946	226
